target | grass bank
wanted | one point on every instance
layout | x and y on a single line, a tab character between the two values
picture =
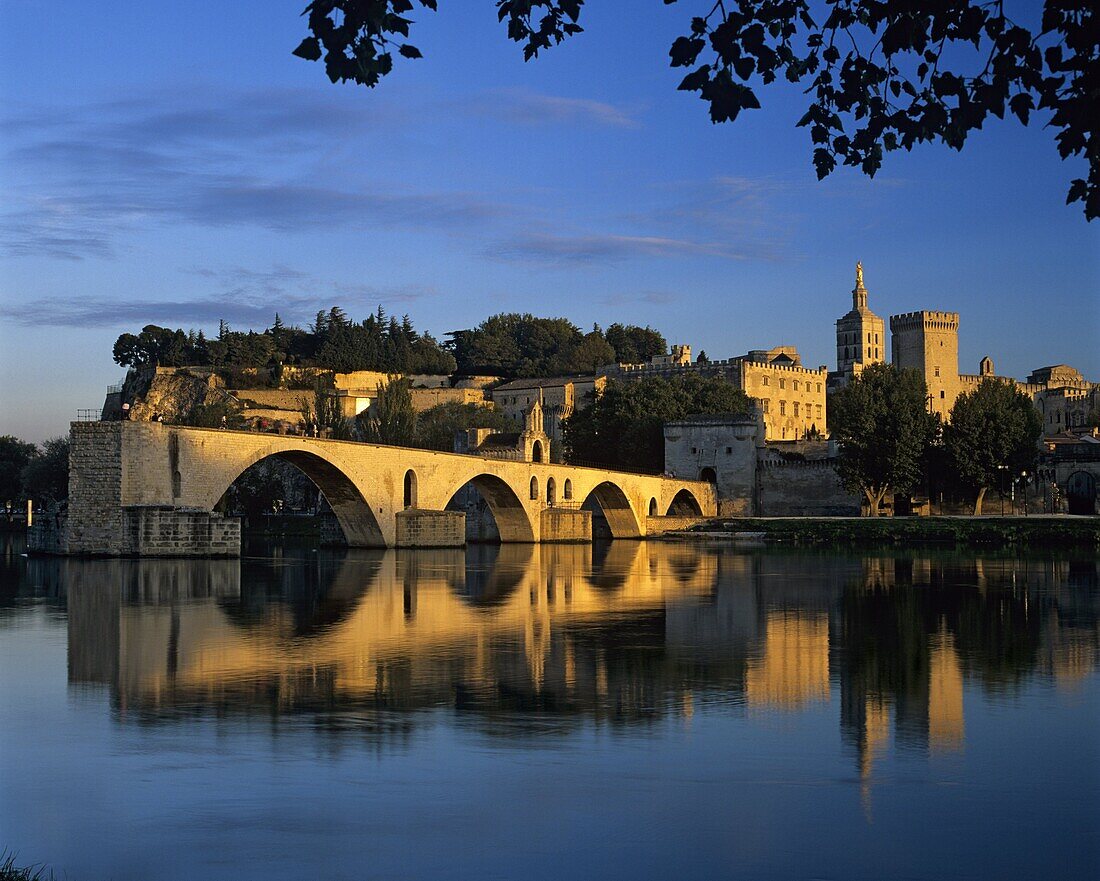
959	532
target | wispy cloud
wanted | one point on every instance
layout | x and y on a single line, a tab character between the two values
244	297
523	107
262	159
605	248
625	298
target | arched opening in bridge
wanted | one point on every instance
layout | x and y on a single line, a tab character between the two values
536	451
410	489
493	511
652	507
684	504
534	489
612	515
296	482
567	489
551	492
709	475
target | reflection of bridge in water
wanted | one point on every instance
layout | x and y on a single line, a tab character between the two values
149	489
623	633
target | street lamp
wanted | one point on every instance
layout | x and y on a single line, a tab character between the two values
1023	480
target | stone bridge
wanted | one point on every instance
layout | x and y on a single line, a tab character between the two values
149	489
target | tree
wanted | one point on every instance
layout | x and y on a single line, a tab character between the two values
392	419
624	426
46	476
522	345
324	414
993	429
882	74
633	344
220	413
883	428
14	457
436	426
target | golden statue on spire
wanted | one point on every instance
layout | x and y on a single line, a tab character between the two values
859	273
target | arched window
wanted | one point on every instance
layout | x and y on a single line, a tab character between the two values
551	492
652	507
536	451
410	489
568	488
534	488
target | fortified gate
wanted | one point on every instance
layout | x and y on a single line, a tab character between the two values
150	489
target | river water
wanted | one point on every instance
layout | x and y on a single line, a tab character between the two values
632	710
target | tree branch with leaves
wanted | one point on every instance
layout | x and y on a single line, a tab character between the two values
882	75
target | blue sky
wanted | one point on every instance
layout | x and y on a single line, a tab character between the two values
175	164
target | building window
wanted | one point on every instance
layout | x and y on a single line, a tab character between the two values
796	408
868	337
937	371
782	383
942	395
818	411
693	451
767	402
782	408
796	385
765	380
876	339
729	451
819	388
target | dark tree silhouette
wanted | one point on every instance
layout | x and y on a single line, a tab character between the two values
882	74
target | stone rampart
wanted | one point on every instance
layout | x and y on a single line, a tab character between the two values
802	489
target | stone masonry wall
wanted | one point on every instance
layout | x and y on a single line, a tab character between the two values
430	529
95	522
168	532
802	489
566	525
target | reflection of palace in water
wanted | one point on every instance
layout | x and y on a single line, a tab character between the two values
530	637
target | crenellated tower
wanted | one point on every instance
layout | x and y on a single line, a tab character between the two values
928	342
860	334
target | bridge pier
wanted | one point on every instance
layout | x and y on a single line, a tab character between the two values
419	528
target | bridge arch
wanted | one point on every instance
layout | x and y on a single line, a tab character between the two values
551	492
512	520
621	518
352	510
684	504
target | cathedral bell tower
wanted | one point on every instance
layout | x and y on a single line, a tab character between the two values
860	335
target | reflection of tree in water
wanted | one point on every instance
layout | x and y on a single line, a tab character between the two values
906	641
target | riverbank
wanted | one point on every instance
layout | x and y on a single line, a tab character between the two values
957	532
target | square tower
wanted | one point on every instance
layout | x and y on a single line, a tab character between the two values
929	343
860	334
